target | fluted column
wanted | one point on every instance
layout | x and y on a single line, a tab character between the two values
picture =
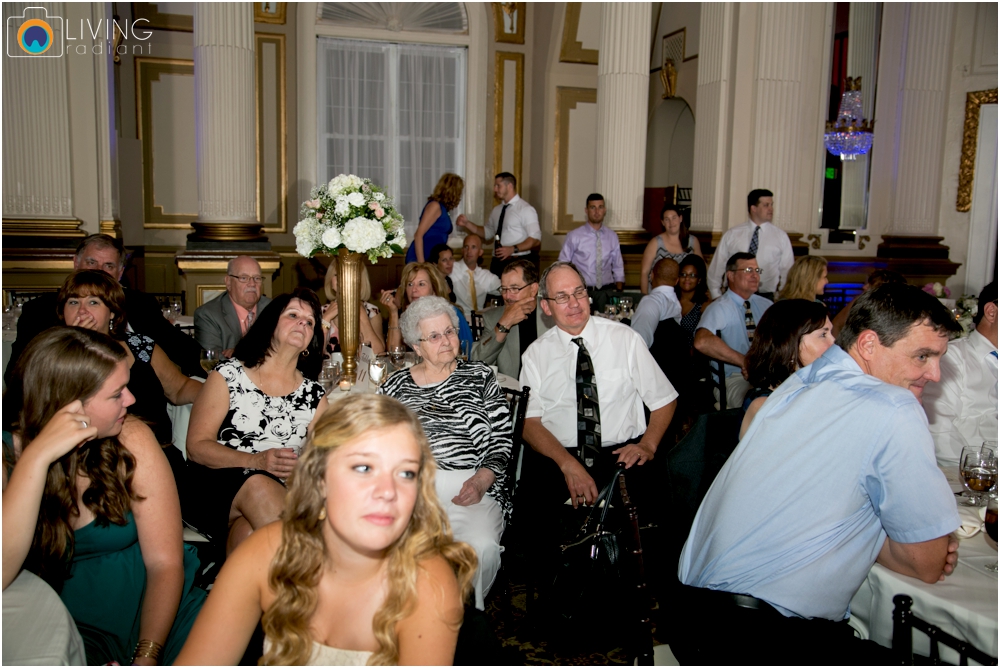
781	51
710	146
225	123
37	160
107	139
622	92
861	61
921	123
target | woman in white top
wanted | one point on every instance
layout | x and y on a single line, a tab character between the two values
361	569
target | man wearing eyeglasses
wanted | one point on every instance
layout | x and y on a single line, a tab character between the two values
510	329
736	314
590	378
220	323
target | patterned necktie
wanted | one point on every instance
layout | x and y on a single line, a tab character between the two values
247	322
748	319
472	289
503	212
588	410
599	274
754	240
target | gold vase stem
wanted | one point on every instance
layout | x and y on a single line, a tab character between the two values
349	306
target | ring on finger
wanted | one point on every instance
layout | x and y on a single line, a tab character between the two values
84	423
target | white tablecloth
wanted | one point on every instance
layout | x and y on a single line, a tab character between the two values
964	605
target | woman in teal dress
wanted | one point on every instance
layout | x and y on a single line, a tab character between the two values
91	505
435	223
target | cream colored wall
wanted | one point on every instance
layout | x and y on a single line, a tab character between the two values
973	68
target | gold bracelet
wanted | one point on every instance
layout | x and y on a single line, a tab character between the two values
147	649
393	327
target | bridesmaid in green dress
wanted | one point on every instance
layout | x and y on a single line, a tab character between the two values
91	505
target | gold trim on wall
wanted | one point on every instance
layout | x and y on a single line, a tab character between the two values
498	101
148	70
278	17
572	50
967	164
35	227
566	100
150	12
202	289
498	10
110	227
261	38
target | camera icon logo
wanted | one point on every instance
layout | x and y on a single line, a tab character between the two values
35	34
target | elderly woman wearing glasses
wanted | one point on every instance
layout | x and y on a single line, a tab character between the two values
467	421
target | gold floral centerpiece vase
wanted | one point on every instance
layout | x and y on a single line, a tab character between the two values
351	217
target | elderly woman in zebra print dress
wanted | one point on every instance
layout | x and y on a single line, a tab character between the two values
467	421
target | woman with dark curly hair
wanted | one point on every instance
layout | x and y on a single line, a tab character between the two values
250	421
362	569
91	507
791	334
435	223
94	300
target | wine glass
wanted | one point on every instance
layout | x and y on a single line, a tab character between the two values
210	359
378	368
978	470
396	354
991	528
329	376
175	307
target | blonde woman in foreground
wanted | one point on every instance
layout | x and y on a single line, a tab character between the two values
361	570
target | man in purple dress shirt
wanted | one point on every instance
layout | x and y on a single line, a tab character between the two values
595	251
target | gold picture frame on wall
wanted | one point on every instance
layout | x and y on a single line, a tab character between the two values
499	98
566	100
270	12
280	131
149	12
970	137
572	50
508	21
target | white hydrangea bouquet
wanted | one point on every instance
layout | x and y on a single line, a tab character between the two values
352	213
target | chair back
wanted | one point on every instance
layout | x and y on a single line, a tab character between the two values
518	407
717	376
903	623
640	645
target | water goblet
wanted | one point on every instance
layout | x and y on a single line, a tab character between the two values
378	369
210	359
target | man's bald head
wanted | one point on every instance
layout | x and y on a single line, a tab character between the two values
666	272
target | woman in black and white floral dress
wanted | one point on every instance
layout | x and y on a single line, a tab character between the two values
252	417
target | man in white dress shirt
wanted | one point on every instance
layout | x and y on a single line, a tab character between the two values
595	361
471	282
760	238
513	226
661	303
962	407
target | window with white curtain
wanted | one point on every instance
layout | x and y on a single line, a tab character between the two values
394	113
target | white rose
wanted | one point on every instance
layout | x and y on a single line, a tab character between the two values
356	199
379	197
331	238
354	181
361	234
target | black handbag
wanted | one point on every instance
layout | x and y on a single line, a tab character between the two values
588	579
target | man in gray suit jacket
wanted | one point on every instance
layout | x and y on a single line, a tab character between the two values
509	330
220	323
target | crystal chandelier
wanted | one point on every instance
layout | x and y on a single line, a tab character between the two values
851	134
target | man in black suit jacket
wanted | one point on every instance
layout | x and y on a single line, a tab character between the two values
104	253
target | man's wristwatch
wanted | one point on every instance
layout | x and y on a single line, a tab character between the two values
502	329
515	248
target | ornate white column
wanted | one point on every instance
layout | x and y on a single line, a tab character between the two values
622	92
710	146
37	160
921	122
861	60
107	140
225	111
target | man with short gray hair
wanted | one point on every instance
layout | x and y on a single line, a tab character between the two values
220	323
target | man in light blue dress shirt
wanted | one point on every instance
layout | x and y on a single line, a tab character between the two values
729	314
836	472
661	303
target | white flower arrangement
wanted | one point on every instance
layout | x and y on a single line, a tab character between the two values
349	212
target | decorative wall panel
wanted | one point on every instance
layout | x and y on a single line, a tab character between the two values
575	153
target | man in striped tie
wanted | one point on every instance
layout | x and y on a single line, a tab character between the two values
736	315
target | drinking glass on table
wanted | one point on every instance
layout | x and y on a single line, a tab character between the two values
396	355
378	369
977	466
210	359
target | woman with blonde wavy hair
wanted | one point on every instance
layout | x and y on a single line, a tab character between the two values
435	223
806	279
419	279
362	569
